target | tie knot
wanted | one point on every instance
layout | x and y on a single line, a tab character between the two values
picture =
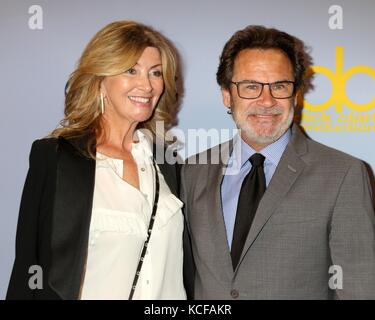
257	160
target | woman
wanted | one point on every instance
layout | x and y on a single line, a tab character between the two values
93	186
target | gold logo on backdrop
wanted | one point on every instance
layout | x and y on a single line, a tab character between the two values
315	117
338	80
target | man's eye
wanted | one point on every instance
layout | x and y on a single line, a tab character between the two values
252	87
279	86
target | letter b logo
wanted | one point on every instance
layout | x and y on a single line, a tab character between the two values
338	80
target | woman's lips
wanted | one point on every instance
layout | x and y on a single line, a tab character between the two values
141	102
140	99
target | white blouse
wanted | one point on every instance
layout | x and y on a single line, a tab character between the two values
118	229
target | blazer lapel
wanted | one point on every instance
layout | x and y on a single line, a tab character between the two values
215	211
75	181
71	217
287	172
169	171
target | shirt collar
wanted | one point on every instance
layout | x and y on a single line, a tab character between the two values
272	152
144	142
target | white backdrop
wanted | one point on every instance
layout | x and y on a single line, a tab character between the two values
35	64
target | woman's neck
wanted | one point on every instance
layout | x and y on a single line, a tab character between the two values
117	136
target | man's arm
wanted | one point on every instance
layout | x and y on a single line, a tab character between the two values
352	235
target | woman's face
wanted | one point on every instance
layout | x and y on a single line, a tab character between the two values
132	96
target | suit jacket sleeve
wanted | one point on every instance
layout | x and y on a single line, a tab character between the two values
27	227
352	236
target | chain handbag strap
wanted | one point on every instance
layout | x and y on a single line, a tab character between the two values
150	226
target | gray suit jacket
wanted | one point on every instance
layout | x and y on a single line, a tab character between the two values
316	213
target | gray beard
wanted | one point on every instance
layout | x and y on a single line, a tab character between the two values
251	135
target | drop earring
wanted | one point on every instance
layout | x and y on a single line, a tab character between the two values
102	102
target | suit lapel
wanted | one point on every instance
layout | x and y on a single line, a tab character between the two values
287	172
71	218
214	209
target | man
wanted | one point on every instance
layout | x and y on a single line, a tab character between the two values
280	216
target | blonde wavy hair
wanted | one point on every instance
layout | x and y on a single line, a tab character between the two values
113	50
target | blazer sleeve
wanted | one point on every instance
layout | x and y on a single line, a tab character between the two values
27	227
352	237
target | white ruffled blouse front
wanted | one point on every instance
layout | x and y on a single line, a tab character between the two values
118	229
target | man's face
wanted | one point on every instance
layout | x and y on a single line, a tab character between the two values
265	119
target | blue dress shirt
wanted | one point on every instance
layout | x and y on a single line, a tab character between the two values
232	181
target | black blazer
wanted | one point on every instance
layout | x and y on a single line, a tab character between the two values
54	218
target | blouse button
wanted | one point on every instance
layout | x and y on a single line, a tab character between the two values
143	169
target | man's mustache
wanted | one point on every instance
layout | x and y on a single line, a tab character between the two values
254	111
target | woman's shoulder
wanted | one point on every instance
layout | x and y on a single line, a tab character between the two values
42	149
44	144
53	144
